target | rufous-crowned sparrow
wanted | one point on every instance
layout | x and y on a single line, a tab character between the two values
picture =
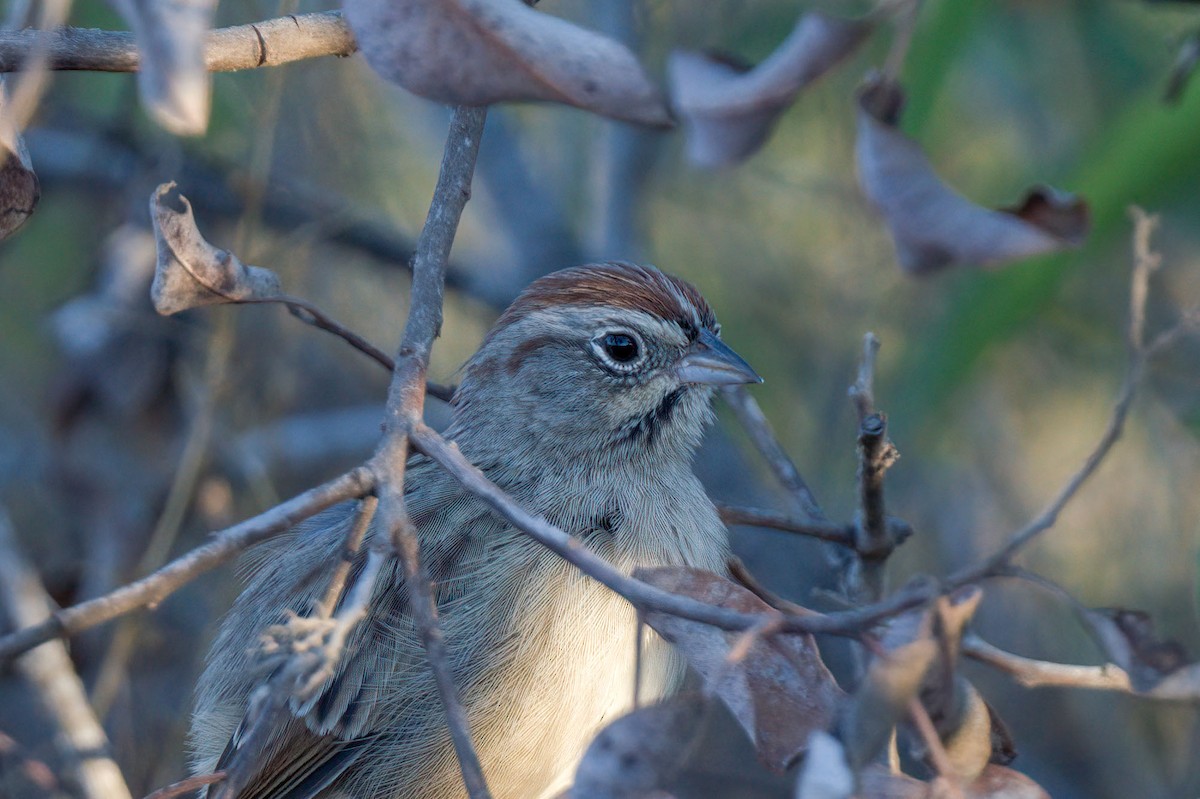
585	402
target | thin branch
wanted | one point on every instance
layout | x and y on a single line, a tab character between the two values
640	594
874	538
269	43
905	24
1040	673
52	675
758	517
937	752
1140	354
226	545
862	392
337	580
755	423
1145	263
742	576
405	406
107	163
310	314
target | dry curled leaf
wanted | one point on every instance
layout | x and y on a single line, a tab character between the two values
190	272
780	691
172	78
477	52
932	225
1157	668
19	190
728	112
970	732
637	755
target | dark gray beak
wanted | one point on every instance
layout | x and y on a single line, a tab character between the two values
710	361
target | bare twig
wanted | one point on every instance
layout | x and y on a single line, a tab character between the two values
269	43
227	544
27	91
862	392
36	771
905	23
754	421
310	314
187	786
757	517
52	675
937	752
1145	262
406	399
741	575
874	538
876	454
640	594
337	580
1038	673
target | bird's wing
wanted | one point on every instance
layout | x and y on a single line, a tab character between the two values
295	763
307	745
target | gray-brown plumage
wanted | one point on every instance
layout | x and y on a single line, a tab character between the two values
585	402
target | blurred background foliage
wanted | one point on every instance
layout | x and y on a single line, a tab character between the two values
996	383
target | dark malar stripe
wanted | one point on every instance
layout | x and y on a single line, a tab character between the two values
649	426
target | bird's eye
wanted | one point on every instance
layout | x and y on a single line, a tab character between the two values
621	347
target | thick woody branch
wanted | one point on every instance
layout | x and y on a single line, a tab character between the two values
269	43
406	400
52	675
226	545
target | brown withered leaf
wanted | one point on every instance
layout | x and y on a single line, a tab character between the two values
881	701
189	271
932	225
780	691
637	755
969	731
19	189
477	52
172	78
1157	668
728	112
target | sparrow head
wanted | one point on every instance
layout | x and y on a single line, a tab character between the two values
604	357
